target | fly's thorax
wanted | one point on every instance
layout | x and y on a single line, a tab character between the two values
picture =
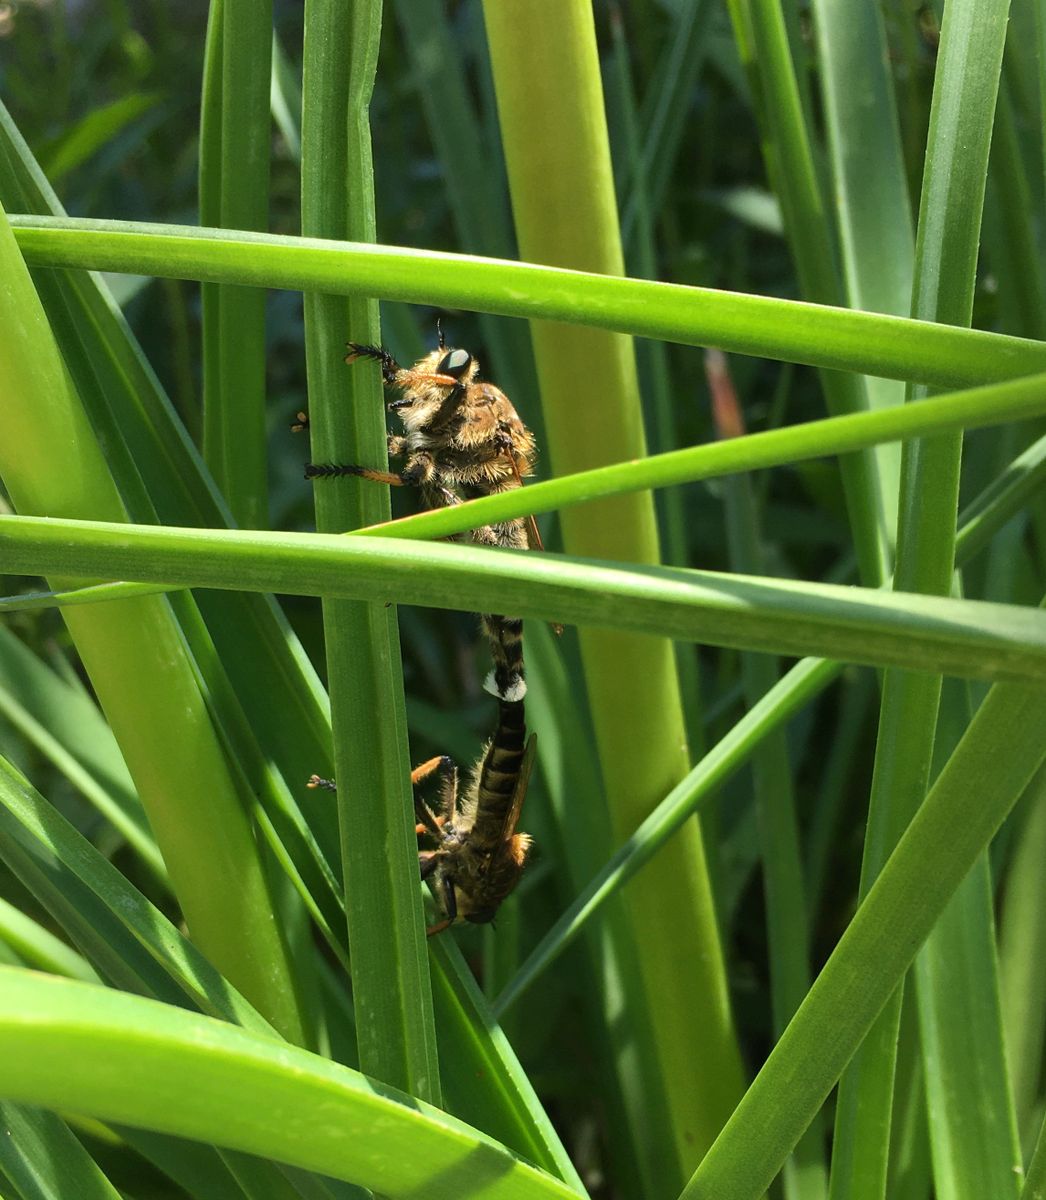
418	408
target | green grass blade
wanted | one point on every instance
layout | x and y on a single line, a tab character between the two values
973	1132
508	1109
972	1126
800	684
971	638
40	949
664	114
1022	957
790	159
965	88
234	192
67	726
788	937
876	239
998	755
820	335
167	1069
40	1155
125	938
285	99
391	989
50	461
1035	1180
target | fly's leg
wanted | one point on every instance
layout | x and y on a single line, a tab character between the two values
418	472
390	368
333	470
427	821
317	781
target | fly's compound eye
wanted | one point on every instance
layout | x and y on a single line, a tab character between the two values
455	363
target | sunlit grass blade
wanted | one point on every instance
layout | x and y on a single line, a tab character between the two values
509	1108
170	1070
390	976
968	1094
133	652
795	331
797	687
128	941
628	1082
38	948
974	639
980	520
999	753
787	932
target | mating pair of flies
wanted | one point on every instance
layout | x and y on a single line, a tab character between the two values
463	439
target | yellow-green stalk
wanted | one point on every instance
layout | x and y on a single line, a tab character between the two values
550	105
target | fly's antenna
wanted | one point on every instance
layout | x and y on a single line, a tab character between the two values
439	333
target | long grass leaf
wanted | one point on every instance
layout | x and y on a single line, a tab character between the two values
1022	958
234	192
772	447
391	989
873	210
761	33
170	1070
821	335
972	638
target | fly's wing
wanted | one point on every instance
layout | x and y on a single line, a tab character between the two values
520	791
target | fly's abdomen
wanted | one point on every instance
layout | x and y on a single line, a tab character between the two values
499	776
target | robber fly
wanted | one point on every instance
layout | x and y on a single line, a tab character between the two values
463	439
477	856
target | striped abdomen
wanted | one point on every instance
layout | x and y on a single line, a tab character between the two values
499	777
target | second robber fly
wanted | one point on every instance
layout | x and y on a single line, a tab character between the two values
476	854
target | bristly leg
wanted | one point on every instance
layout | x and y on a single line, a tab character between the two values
389	366
317	781
332	470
